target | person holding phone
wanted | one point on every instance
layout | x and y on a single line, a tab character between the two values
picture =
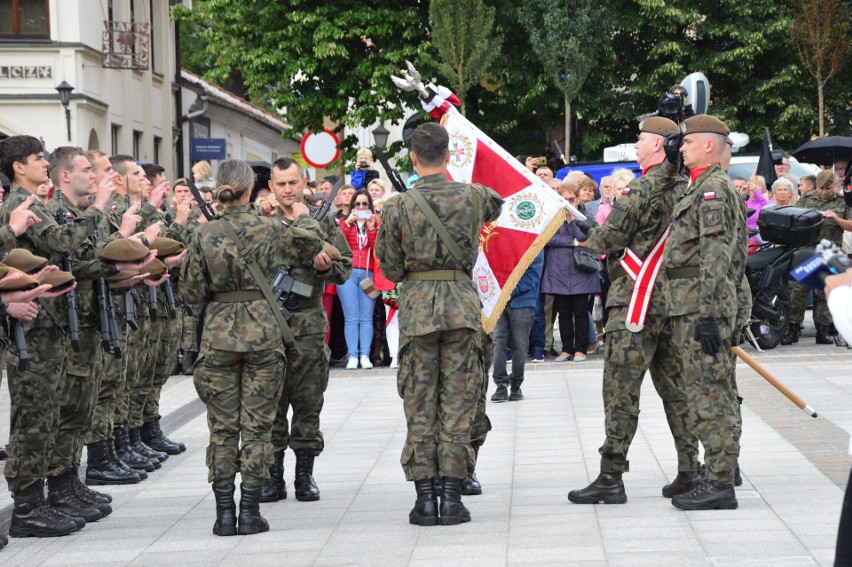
360	228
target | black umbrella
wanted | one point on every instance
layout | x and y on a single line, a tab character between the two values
825	151
765	167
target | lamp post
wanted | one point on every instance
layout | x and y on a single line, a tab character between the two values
380	135
64	90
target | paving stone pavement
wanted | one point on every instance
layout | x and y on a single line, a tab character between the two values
539	449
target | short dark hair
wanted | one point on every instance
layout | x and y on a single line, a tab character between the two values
17	149
430	142
152	170
118	162
62	159
286	163
809	179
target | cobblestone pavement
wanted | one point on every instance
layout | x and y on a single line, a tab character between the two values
794	468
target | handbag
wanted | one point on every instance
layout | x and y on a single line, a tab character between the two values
586	261
367	285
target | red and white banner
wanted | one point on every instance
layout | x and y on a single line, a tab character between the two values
531	214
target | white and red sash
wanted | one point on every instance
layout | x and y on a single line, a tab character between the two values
644	274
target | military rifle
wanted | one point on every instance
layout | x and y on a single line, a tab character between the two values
168	289
203	205
70	295
284	287
20	340
106	308
393	175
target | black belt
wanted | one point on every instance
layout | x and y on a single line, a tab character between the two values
683	272
299	303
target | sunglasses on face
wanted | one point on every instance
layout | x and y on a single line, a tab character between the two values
361	204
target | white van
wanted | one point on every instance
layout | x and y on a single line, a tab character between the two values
744	165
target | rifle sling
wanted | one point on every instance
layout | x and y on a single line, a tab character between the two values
452	246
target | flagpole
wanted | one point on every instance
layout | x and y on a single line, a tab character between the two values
789	394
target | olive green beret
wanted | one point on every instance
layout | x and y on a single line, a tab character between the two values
704	123
124	250
658	125
825	179
24	260
122	275
331	251
166	246
23	282
154	267
59	280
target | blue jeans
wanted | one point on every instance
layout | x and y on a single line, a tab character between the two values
519	321
357	313
537	335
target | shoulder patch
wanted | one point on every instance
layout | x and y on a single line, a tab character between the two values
709	195
712	216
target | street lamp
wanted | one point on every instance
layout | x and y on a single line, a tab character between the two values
64	90
380	135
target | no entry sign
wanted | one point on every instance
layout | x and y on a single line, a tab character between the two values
320	149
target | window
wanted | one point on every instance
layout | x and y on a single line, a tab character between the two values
24	18
155	33
137	142
158	141
114	133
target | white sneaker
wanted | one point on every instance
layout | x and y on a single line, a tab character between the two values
394	362
352	364
365	361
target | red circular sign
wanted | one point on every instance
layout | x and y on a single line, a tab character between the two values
320	149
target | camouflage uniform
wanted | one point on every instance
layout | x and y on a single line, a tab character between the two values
832	232
35	392
440	374
240	370
638	220
702	253
307	376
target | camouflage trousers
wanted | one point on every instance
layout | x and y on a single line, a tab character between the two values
111	382
139	383
241	391
77	401
481	424
712	395
799	300
304	391
167	348
189	327
35	395
627	357
134	355
440	381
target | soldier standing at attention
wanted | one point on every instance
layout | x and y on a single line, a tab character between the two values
702	246
639	336
239	374
428	243
307	376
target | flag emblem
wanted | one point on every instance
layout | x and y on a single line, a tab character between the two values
461	151
483	284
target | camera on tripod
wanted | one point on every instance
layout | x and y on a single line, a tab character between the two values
673	104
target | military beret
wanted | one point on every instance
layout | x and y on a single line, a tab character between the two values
124	250
59	280
21	283
331	251
825	179
658	125
704	123
155	268
24	260
166	246
122	275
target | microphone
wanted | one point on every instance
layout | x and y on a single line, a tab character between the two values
811	269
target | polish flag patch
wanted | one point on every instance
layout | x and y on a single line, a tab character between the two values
625	191
709	195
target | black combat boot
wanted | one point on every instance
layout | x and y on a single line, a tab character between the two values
4	541
133	459
738	477
306	486
3	455
250	520
188	361
275	488
177	444
32	517
471	486
140	447
425	511
113	456
62	497
607	488
791	337
452	510
709	495
154	438
100	469
226	511
683	483
89	497
823	336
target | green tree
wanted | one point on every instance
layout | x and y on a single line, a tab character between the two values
463	36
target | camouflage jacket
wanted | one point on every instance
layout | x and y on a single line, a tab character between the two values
705	235
637	221
86	267
214	265
830	230
51	241
313	320
407	243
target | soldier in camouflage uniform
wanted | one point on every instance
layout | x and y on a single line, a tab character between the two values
35	392
440	356
239	374
307	376
638	221
704	265
838	217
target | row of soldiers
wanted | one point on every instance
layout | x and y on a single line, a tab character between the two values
86	365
